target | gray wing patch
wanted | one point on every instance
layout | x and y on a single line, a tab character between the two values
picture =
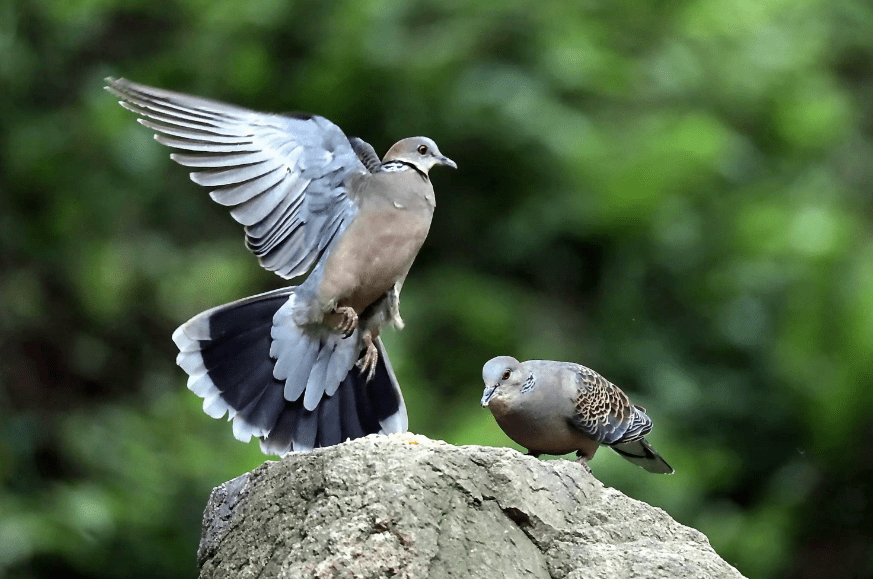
283	176
604	412
640	425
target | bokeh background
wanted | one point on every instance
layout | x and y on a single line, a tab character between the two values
675	193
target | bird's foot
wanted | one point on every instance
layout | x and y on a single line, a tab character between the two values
348	320
367	363
584	462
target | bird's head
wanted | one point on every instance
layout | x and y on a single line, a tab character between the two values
420	152
503	379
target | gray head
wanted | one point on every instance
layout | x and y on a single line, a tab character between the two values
420	152
503	378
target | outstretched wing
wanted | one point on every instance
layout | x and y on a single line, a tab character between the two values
283	176
604	412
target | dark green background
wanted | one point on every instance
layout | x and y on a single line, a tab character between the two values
675	193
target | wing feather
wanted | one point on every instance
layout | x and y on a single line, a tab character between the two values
244	158
205	146
604	412
283	177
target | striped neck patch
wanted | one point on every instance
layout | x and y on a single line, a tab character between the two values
394	166
529	384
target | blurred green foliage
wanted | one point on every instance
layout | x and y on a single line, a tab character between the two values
677	194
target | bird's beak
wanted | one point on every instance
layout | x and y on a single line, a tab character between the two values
443	160
488	394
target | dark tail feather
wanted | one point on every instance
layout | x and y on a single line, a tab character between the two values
355	409
329	425
384	392
641	453
227	353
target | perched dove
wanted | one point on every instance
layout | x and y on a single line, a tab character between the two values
560	407
282	364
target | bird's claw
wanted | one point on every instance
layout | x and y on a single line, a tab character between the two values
584	462
348	321
368	361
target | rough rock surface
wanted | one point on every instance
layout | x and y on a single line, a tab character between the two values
406	506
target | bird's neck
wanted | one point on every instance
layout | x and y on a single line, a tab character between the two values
397	165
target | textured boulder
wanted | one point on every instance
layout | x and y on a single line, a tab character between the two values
406	506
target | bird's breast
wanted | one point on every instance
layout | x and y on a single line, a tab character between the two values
540	429
375	251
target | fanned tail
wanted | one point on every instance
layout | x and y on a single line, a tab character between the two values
294	388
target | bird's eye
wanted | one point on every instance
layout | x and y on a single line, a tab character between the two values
422	150
506	375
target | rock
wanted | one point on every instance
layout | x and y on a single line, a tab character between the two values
405	506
